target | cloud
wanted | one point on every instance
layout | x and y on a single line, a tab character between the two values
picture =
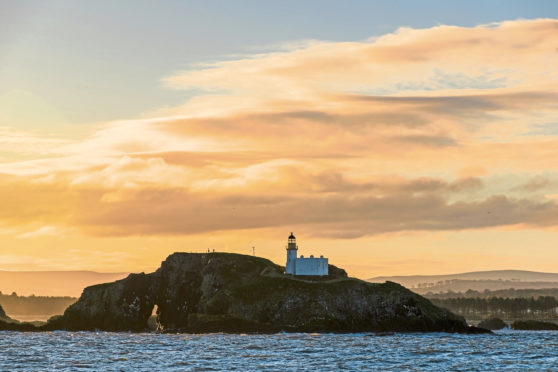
179	212
536	183
16	145
347	139
42	231
425	140
325	204
437	58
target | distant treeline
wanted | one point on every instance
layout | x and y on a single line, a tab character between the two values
543	307
440	283
506	293
458	285
34	305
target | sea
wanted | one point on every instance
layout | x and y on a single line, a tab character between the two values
504	350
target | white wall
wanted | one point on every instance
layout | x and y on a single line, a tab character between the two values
311	266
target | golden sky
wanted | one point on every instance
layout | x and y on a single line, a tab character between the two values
421	151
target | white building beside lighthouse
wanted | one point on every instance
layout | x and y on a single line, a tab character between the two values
316	266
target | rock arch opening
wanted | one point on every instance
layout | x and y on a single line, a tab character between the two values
153	320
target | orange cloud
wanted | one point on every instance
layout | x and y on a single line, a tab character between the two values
509	54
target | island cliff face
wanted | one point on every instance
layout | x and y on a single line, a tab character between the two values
223	292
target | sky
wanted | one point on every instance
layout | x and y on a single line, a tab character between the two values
395	137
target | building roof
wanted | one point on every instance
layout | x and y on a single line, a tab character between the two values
292	236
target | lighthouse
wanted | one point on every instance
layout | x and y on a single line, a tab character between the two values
310	266
292	249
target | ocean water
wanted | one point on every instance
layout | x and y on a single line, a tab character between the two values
76	351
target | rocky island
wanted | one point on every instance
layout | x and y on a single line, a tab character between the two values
494	324
225	292
534	325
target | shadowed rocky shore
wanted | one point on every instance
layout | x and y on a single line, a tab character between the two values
224	292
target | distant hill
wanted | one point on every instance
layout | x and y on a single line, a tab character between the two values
477	280
52	283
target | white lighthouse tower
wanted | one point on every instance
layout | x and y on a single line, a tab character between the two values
292	249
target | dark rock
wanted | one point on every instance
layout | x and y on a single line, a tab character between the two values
124	305
534	325
222	292
336	271
493	324
472	330
16	326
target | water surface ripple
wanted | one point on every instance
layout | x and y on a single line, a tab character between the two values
75	351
